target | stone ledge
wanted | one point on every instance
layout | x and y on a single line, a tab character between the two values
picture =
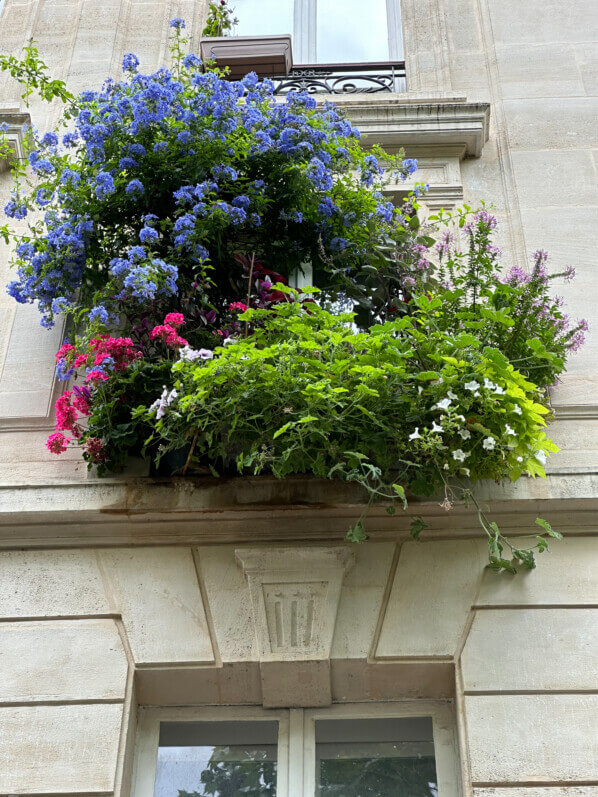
440	124
202	510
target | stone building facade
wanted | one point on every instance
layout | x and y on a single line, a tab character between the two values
130	602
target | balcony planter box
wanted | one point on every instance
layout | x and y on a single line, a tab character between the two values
266	55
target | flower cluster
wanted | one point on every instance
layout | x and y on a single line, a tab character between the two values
168	331
192	169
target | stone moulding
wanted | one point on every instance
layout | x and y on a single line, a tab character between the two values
294	596
14	135
444	124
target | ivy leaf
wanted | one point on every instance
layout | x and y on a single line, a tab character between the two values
417	526
548	528
357	533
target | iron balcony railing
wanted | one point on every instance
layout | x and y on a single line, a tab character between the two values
364	78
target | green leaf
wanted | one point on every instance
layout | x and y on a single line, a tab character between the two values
417	526
357	533
400	491
526	557
498	565
280	431
548	528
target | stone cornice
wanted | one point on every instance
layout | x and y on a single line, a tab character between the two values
441	125
248	510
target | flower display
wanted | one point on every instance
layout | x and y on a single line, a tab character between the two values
167	219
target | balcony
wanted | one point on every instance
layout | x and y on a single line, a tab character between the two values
362	78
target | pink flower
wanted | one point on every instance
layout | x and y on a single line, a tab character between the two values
96	376
66	414
57	443
64	352
169	335
161	331
237	306
174	319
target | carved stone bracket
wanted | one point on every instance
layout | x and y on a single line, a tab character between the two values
294	595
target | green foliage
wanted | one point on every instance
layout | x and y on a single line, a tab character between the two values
122	433
32	73
388	409
219	20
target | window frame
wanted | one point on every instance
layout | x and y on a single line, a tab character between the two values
296	765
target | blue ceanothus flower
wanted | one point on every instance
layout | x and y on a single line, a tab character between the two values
165	177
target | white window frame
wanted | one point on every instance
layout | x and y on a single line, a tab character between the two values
296	766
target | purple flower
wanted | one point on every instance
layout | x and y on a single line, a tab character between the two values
177	23
130	62
569	273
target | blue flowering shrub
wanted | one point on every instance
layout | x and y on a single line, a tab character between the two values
168	217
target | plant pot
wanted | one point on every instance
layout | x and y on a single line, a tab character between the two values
265	55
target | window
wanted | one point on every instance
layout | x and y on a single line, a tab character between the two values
393	749
328	31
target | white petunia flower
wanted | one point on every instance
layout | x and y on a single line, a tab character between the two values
446	466
465	434
489	384
460	455
444	404
489	443
541	457
465	471
509	430
473	385
229	341
519	459
499	390
452	395
415	435
436	427
517	409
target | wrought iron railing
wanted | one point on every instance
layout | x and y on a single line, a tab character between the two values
364	78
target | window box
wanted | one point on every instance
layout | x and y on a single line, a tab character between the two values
266	55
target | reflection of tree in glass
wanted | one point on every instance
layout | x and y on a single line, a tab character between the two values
244	773
378	777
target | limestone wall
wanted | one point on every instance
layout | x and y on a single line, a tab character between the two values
87	634
94	623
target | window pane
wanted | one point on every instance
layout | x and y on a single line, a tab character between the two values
350	31
375	758
217	759
263	17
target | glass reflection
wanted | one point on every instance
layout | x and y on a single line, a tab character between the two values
351	31
375	758
263	17
189	766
